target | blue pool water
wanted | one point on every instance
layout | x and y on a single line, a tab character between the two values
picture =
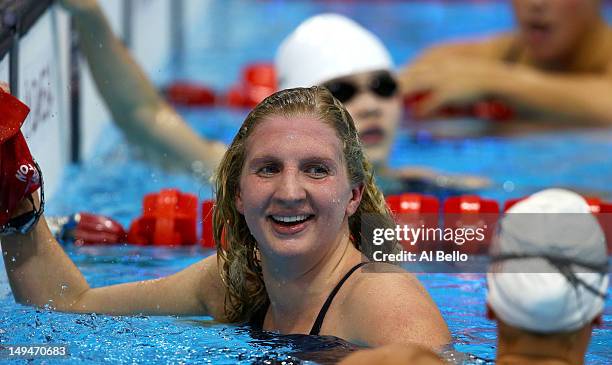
115	181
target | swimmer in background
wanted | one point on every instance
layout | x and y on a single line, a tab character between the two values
292	192
547	304
547	284
345	56
556	68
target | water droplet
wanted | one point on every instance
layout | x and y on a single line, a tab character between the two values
508	186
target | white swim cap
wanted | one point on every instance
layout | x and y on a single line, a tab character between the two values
531	293
327	46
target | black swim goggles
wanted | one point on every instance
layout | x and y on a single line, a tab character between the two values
382	84
24	223
564	266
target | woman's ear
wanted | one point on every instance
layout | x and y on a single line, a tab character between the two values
356	195
238	202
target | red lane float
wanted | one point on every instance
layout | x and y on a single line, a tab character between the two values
92	229
602	210
471	213
494	110
169	219
258	81
414	211
189	93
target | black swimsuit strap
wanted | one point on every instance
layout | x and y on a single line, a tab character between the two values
316	327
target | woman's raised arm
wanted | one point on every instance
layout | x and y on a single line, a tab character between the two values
41	274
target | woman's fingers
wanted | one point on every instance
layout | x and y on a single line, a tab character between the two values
5	87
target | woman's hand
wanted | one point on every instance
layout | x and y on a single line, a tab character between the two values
452	82
5	87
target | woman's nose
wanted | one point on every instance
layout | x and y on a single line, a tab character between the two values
290	189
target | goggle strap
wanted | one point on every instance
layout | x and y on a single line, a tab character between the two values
563	265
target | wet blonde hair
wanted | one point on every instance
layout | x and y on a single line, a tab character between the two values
236	248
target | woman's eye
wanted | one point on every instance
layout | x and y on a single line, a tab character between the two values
317	172
267	170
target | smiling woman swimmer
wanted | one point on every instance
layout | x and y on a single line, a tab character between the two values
327	49
292	191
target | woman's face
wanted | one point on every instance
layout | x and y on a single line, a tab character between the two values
551	29
375	107
295	193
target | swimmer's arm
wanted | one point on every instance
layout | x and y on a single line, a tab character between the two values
196	290
486	48
135	104
41	274
554	98
439	180
465	72
407	315
394	354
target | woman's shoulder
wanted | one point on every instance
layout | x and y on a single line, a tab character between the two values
387	304
386	280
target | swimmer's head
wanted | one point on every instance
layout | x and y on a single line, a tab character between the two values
552	30
242	272
551	276
334	51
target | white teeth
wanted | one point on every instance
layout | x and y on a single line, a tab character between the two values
295	218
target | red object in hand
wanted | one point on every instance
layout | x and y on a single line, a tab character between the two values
169	219
95	229
258	81
18	175
189	93
12	113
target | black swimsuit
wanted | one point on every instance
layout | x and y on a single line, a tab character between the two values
258	318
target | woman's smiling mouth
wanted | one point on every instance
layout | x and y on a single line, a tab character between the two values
289	225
